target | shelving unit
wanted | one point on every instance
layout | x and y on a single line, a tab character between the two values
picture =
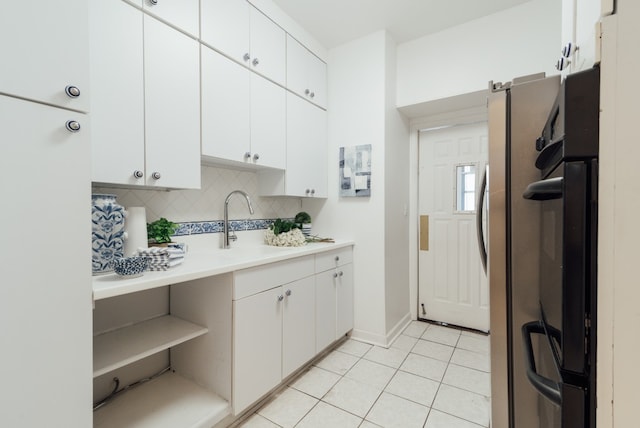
126	345
168	401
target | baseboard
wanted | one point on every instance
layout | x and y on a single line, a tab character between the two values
382	340
398	328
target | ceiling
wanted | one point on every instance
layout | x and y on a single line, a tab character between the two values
334	22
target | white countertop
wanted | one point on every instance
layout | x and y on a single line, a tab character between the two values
201	263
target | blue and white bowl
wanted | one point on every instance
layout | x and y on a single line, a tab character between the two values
130	267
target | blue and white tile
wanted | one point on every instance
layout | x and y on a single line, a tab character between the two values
391	357
424	366
288	408
391	411
324	415
374	374
437	419
337	362
463	404
315	382
434	350
414	388
353	396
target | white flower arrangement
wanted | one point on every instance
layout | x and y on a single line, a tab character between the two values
292	238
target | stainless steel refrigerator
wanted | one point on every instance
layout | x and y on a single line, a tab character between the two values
517	112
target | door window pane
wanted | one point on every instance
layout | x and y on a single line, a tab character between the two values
466	188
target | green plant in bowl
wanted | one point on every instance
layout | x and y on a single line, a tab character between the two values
161	231
302	218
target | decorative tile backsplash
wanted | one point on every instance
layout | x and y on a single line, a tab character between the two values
202	211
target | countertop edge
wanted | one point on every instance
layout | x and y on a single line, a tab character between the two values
203	264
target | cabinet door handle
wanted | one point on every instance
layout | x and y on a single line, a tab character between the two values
255	61
246	57
307	92
72	91
156	175
341	273
335	275
247	155
312	94
72	126
256	157
308	191
280	298
337	258
138	174
153	2
313	192
288	293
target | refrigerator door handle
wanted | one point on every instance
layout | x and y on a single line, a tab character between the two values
482	247
543	385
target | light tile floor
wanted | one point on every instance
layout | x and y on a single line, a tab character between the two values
430	377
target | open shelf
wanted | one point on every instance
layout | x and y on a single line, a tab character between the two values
168	401
126	345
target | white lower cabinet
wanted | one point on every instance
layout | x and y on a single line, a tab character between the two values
298	325
334	296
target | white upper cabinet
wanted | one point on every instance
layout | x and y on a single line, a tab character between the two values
47	46
306	167
181	13
172	107
579	28
306	73
246	35
146	110
243	114
117	84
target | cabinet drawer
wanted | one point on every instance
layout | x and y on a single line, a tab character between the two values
333	259
250	281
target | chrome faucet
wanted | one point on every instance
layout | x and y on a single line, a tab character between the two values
226	216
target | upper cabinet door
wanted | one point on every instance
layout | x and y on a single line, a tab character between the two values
52	44
306	73
172	107
117	88
268	123
268	47
226	102
224	25
181	13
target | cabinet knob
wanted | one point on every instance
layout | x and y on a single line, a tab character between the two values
341	273
562	64
312	94
246	57
256	157
138	174
247	155
288	292
72	91
307	92
72	126
337	258
153	2
280	298
255	61
335	275
313	192
156	175
569	49
307	191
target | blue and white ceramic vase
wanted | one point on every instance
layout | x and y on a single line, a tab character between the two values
107	232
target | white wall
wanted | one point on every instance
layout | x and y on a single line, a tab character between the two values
356	116
619	233
396	157
518	41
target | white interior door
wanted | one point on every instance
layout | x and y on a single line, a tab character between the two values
452	283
